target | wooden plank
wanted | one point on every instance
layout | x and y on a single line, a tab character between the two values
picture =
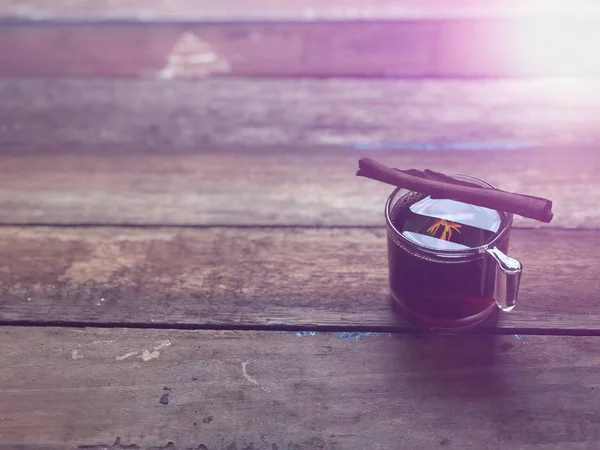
244	277
267	186
73	388
482	48
190	51
228	10
368	113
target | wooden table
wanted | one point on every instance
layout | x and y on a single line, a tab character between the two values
187	260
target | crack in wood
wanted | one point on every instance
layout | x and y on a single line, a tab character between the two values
312	444
119	445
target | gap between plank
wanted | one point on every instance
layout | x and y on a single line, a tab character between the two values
299	328
238	226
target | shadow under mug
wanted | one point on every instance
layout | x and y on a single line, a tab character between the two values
450	289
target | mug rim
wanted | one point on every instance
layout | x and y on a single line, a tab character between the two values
466	253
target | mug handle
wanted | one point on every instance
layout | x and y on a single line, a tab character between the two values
508	278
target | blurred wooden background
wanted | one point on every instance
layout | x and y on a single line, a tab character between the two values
410	38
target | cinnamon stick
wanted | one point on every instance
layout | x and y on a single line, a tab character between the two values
438	185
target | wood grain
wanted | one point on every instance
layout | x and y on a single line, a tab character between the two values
267	186
205	10
411	48
172	51
244	277
266	390
388	113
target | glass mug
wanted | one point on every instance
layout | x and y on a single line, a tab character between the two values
458	279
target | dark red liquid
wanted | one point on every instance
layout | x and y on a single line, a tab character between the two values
444	293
